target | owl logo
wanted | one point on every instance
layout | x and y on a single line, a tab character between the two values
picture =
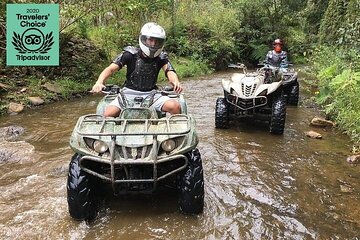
33	41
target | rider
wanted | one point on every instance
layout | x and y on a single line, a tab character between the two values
143	66
277	57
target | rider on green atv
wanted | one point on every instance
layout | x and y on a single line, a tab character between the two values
143	66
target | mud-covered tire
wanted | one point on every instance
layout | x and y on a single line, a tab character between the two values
293	94
278	115
80	192
191	185
221	113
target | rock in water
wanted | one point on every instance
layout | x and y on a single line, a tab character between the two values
353	159
15	107
346	189
11	132
11	152
313	134
321	122
36	101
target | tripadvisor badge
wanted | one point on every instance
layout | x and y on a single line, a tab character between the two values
32	37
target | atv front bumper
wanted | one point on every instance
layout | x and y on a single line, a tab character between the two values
122	165
247	102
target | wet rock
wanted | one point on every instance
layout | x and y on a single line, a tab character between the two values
52	87
353	159
321	122
12	152
10	133
36	101
15	107
313	134
346	188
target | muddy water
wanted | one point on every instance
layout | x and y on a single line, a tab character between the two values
258	186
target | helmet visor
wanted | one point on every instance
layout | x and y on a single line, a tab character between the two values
152	42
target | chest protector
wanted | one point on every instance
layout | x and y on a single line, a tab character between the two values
144	76
276	58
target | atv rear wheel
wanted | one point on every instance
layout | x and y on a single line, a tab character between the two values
278	115
293	94
81	199
221	113
191	184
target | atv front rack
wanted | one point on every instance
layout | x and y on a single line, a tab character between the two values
97	125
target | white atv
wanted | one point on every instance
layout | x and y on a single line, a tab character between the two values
258	95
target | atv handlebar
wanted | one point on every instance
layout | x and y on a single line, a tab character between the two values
115	89
266	66
111	89
238	66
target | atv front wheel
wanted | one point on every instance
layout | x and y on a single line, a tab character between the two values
191	184
293	94
80	192
278	115
221	113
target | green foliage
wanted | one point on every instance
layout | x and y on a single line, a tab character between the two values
190	67
71	87
349	32
3	109
344	90
329	27
313	13
258	51
203	30
339	83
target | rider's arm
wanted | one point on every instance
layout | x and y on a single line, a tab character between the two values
120	60
173	78
170	72
284	62
104	75
267	58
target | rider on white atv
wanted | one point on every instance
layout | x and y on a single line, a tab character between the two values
277	57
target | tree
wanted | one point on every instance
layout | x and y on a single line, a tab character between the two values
332	21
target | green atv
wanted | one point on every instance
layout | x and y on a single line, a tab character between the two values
135	152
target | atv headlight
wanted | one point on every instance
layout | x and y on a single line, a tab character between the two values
168	145
100	146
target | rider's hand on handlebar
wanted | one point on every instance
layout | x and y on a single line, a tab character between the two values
98	87
177	87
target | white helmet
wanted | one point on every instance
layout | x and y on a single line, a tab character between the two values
152	38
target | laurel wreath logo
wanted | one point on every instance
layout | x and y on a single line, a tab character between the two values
20	47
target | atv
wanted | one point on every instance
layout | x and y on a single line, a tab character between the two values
136	152
291	87
258	95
